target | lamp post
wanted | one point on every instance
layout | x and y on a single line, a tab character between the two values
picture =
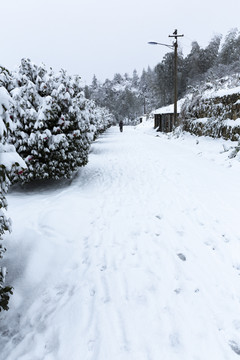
174	46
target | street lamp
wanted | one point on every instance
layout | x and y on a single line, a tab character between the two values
157	43
174	46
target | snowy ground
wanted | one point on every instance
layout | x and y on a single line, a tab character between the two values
138	258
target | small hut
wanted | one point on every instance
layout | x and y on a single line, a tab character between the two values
164	122
164	117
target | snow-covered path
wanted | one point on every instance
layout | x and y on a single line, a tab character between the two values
138	259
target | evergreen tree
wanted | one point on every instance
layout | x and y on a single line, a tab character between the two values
146	87
10	162
135	79
117	79
209	55
192	63
94	89
53	123
230	51
126	77
143	91
87	92
94	82
182	81
164	80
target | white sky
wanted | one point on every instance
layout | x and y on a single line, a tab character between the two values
103	37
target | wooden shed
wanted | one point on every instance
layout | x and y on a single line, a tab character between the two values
164	117
164	122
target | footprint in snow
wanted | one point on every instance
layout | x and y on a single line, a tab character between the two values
91	344
182	256
92	292
103	267
235	347
174	339
225	239
236	266
177	291
106	299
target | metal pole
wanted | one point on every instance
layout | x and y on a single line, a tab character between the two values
175	35
175	84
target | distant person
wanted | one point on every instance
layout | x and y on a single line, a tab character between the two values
121	125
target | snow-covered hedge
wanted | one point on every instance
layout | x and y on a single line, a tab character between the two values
55	122
46	128
100	119
10	162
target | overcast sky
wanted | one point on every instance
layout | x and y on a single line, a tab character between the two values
104	37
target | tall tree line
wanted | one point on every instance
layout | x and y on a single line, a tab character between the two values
128	97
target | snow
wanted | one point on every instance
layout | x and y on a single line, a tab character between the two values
232	123
227	122
136	258
5	99
201	120
169	108
222	92
3	128
9	156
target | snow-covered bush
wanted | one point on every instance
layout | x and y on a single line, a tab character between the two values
53	127
10	162
104	120
100	119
